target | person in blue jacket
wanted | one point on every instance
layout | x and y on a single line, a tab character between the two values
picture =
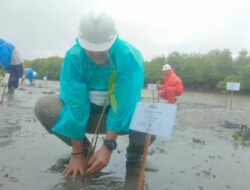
29	74
10	60
99	69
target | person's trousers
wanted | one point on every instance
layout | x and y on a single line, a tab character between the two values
170	94
47	110
15	73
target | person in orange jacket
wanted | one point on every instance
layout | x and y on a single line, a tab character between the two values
172	86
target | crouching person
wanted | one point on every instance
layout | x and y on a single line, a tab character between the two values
97	57
172	85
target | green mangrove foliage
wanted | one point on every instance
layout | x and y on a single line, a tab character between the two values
208	71
49	67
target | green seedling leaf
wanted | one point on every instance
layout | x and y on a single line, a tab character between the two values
112	79
111	90
113	102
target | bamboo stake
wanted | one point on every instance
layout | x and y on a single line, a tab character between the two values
95	137
158	93
6	80
231	103
3	93
144	161
153	96
158	96
145	154
225	101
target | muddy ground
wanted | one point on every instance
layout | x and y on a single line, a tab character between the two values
201	154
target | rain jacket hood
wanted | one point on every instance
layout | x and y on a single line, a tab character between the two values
80	74
6	50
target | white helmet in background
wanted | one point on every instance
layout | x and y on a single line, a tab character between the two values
166	67
34	73
97	31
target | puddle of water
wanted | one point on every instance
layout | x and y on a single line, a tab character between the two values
6	142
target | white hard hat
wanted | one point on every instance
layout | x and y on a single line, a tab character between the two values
166	67
97	31
34	73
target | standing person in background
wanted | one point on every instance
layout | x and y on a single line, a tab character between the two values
172	84
29	74
97	61
10	61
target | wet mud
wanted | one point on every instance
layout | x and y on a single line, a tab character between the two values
202	154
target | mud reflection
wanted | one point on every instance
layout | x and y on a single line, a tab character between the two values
100	181
107	181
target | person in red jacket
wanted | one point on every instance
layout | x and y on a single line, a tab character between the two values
172	86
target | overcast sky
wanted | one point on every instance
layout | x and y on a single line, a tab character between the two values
42	28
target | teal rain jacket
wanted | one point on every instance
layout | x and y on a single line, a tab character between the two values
80	74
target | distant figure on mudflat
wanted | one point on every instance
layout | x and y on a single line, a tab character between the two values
29	74
172	85
11	61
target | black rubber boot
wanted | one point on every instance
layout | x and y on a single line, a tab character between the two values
11	91
136	146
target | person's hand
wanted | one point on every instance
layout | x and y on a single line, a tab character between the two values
76	165
99	160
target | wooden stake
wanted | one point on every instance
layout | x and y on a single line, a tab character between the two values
153	96
6	80
231	103
144	162
3	93
145	154
226	100
158	96
95	137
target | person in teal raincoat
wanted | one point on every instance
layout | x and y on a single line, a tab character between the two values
99	69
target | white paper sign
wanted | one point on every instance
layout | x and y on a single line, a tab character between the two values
234	86
152	87
45	78
154	118
6	78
